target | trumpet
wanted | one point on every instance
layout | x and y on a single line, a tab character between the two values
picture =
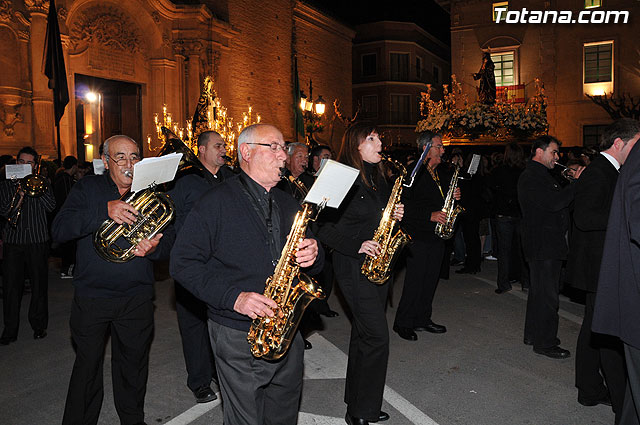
32	185
566	172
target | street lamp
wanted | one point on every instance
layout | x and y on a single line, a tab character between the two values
312	112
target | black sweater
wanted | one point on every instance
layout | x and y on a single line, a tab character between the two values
82	213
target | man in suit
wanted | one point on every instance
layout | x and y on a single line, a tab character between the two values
423	209
616	309
593	195
226	250
545	221
191	312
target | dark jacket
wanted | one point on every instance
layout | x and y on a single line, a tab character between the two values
420	200
223	250
503	183
593	194
545	213
617	309
357	218
81	215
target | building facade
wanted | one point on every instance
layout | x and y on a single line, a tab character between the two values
125	60
392	63
571	59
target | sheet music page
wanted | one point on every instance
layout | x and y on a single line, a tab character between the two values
475	161
156	170
98	167
333	183
17	171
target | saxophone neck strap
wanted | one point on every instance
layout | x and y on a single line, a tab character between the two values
436	178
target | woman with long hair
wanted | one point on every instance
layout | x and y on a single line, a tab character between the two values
349	233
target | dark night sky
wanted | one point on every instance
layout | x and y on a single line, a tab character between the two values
425	13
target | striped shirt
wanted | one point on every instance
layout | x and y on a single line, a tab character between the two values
32	224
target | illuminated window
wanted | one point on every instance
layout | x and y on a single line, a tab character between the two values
369	64
501	5
588	4
369	107
400	109
436	74
399	66
598	61
419	68
504	68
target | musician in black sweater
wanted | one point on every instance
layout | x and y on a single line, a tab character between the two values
349	233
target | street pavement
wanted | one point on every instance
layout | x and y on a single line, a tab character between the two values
478	373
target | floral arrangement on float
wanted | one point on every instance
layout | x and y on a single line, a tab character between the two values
455	118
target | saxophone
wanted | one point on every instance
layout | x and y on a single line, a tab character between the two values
451	209
378	269
270	337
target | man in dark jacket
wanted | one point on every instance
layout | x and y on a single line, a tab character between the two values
226	250
593	194
109	298
545	221
64	180
617	302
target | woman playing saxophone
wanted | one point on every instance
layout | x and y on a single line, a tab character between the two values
349	234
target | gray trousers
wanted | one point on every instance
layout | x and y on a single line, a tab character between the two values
256	391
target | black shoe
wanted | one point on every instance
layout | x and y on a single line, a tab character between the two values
6	340
384	416
39	334
554	352
466	270
307	345
606	400
527	341
330	313
405	333
204	394
501	291
350	420
431	327
456	263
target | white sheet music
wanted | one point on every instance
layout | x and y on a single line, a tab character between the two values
156	170
98	167
17	171
475	161
333	182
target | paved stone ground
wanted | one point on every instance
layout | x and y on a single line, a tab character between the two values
478	373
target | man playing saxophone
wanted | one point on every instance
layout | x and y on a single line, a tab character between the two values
424	202
228	246
109	297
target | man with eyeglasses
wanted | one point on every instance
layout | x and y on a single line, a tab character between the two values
109	298
192	312
26	245
228	246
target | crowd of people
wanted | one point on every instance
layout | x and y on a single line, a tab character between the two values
536	217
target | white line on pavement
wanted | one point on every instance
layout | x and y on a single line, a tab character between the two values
195	412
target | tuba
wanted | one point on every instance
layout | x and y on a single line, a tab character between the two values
270	337
117	242
378	269
450	208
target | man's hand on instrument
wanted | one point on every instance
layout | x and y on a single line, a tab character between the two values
121	212
254	305
371	248
307	252
439	217
398	212
456	194
147	246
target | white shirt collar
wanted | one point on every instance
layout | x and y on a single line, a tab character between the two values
612	160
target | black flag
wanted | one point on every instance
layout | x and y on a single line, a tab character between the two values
54	64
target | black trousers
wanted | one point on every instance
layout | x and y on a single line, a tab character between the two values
509	252
631	409
256	391
67	255
16	258
470	224
129	320
194	332
369	343
541	323
420	282
596	352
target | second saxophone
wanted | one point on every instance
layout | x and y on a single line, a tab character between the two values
450	208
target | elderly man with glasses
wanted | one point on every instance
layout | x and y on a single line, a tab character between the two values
228	246
109	298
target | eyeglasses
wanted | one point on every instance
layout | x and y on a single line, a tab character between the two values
275	147
122	160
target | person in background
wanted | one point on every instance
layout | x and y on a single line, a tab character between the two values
64	180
